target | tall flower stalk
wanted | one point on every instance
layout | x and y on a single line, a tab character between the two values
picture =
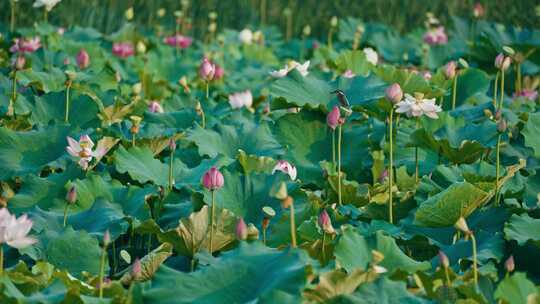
450	71
502	63
106	241
394	94
172	148
287	202
69	82
12	19
212	180
461	225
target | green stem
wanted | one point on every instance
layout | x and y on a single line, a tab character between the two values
475	261
68	87
495	90
12	21
203	118
498	170
502	91
65	214
518	78
1	259
102	271
293	227
339	165
45	15
334	149
323	241
171	159
447	275
212	220
11	107
288	34
207	90
454	91
391	168
264	236
263	12
114	256
416	171
330	34
133	139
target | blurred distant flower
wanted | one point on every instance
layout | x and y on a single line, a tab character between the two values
48	4
450	70
348	74
207	69
325	223
155	107
83	59
25	45
529	94
285	167
241	230
246	36
394	93
19	62
123	49
178	41
241	99
219	72
478	10
436	36
129	13
14	231
417	106
302	68
61	31
427	75
371	55
213	179
81	149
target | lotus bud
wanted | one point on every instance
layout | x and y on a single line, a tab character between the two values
207	70
141	47
241	230
198	108
502	62
172	144
461	225
377	256
71	196
394	93
106	238
136	271
450	70
213	179
129	13
83	59
444	260
478	10
20	61
212	27
161	12
325	223
501	126
334	21
212	15
509	264
252	232
307	30
332	119
506	63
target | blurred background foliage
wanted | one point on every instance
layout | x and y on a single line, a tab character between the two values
404	15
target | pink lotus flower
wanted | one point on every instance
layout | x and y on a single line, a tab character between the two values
478	10
418	106
348	74
509	264
81	149
71	196
178	41
241	99
207	69
436	36
502	62
325	223
450	70
123	49
241	230
26	45
219	72
529	94
213	179
14	231
155	107
285	167
83	59
394	93
332	119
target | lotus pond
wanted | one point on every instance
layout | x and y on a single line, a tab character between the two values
260	165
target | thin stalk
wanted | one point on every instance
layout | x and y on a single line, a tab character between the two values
495	90
475	263
264	236
1	259
11	108
45	15
133	139
288	34
293	227
498	170
203	118
212	220
518	78
416	170
192	268
207	90
65	214
391	168
454	91
330	34
447	275
68	87
339	164
323	241
12	20
263	12
502	91
171	159
334	149
102	271
114	256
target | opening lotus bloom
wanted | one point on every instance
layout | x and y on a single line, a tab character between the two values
123	49
332	119
213	179
207	69
394	93
241	99
48	4
285	167
83	59
436	36
371	55
155	107
418	106
26	45
478	10
14	231
81	149
178	41
245	36
302	68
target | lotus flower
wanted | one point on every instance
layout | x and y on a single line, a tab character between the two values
285	167
502	62
529	94
450	70
213	179
436	36
83	59
178	41
509	264
81	149
325	223
19	62
371	55
48	4
348	74
123	49
241	99
246	36
241	230
302	68
155	107
207	69
394	93
478	10
418	106
219	72
71	196
14	231
333	118
26	45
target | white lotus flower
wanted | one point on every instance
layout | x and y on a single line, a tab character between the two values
285	167
371	55
14	231
348	74
48	4
241	99
417	106
302	68
81	149
246	36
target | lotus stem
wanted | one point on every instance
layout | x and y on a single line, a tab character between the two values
114	256
12	20
264	236
447	275
475	260
330	34
518	78
65	214
102	270
391	168
68	87
502	91
334	149
263	12
288	34
171	159
495	90
454	92
293	227
498	170
212	220
1	259
133	139
207	90
323	241
416	170
339	165
11	107
45	15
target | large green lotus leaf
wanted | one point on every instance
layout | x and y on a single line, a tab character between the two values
74	251
299	91
439	55
394	47
531	131
50	81
49	107
446	207
523	228
362	90
24	152
410	82
228	139
384	291
239	276
472	83
353	60
516	289
254	163
490	246
157	125
337	284
354	251
140	164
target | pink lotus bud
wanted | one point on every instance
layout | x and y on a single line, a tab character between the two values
332	119
502	62
450	70
83	59
66	61
71	196
241	230
325	223
20	61
213	179
444	260
499	60
509	264
136	271
394	93
172	144
501	126
123	49
155	107
219	72
478	10
207	70
384	175
106	238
